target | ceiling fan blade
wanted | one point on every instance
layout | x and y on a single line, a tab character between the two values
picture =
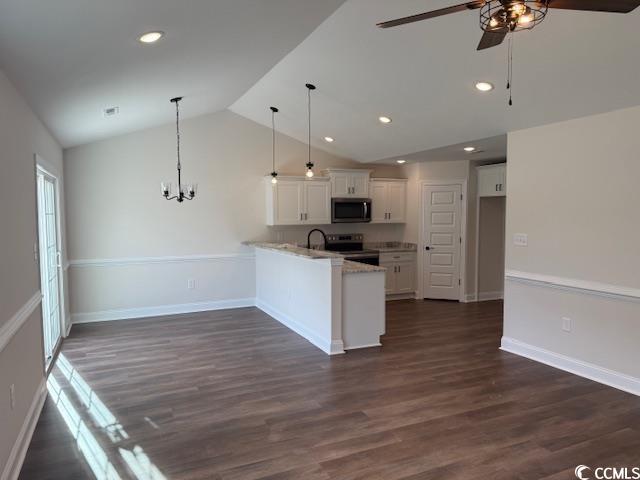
615	6
492	39
435	13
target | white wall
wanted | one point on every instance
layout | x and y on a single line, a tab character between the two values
573	188
21	354
491	247
115	212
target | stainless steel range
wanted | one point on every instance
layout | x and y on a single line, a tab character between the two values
351	246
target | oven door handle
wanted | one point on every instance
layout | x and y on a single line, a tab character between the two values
366	210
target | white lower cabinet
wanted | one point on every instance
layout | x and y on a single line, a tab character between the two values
298	201
401	272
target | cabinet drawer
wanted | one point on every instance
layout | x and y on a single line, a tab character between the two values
396	257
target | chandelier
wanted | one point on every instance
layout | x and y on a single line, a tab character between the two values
185	191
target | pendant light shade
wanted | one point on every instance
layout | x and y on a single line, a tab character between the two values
274	174
309	165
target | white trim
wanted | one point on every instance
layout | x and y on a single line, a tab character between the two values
19	450
593	372
487	296
574	285
160	310
328	346
470	298
10	328
368	345
464	187
116	262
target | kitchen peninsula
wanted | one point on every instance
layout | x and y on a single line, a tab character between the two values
334	303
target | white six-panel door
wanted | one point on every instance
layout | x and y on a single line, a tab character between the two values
442	241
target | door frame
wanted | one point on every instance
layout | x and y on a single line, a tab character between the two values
47	168
463	233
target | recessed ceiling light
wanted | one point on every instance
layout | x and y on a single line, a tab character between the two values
401	161
484	86
151	37
384	119
328	139
469	149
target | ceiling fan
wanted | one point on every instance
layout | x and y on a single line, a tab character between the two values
499	17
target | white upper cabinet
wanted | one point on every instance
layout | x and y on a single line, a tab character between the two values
349	183
388	200
298	201
492	180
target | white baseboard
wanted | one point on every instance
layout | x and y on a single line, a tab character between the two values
21	445
326	345
487	296
593	372
160	310
356	347
469	298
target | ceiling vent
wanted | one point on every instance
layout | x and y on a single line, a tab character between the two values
111	111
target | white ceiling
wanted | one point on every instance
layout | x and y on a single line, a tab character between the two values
73	58
493	148
423	75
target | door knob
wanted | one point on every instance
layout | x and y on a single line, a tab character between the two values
427	248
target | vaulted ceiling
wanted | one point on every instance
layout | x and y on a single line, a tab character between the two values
422	75
73	58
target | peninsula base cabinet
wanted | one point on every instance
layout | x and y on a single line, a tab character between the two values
298	201
400	274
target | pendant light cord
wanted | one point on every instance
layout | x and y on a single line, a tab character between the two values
273	139
510	70
309	111
178	135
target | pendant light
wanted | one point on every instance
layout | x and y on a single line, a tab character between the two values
274	174
187	191
309	165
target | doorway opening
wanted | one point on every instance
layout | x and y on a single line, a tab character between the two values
50	261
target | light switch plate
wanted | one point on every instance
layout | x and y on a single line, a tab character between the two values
521	239
566	324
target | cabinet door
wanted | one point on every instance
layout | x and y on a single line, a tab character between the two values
390	278
406	277
397	202
340	185
489	181
360	185
288	202
378	192
317	209
503	180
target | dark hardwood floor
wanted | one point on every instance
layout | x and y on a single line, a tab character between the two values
235	395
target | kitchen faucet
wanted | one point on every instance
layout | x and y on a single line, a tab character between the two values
324	236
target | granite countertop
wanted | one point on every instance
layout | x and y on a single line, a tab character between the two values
356	267
294	250
384	247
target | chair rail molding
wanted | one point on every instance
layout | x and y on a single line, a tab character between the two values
586	287
125	261
9	329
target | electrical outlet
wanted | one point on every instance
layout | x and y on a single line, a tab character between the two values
12	396
521	239
566	324
191	284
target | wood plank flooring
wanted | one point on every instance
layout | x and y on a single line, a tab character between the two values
233	395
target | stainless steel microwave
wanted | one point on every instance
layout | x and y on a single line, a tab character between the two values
350	210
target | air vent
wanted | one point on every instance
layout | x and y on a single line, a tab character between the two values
111	111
